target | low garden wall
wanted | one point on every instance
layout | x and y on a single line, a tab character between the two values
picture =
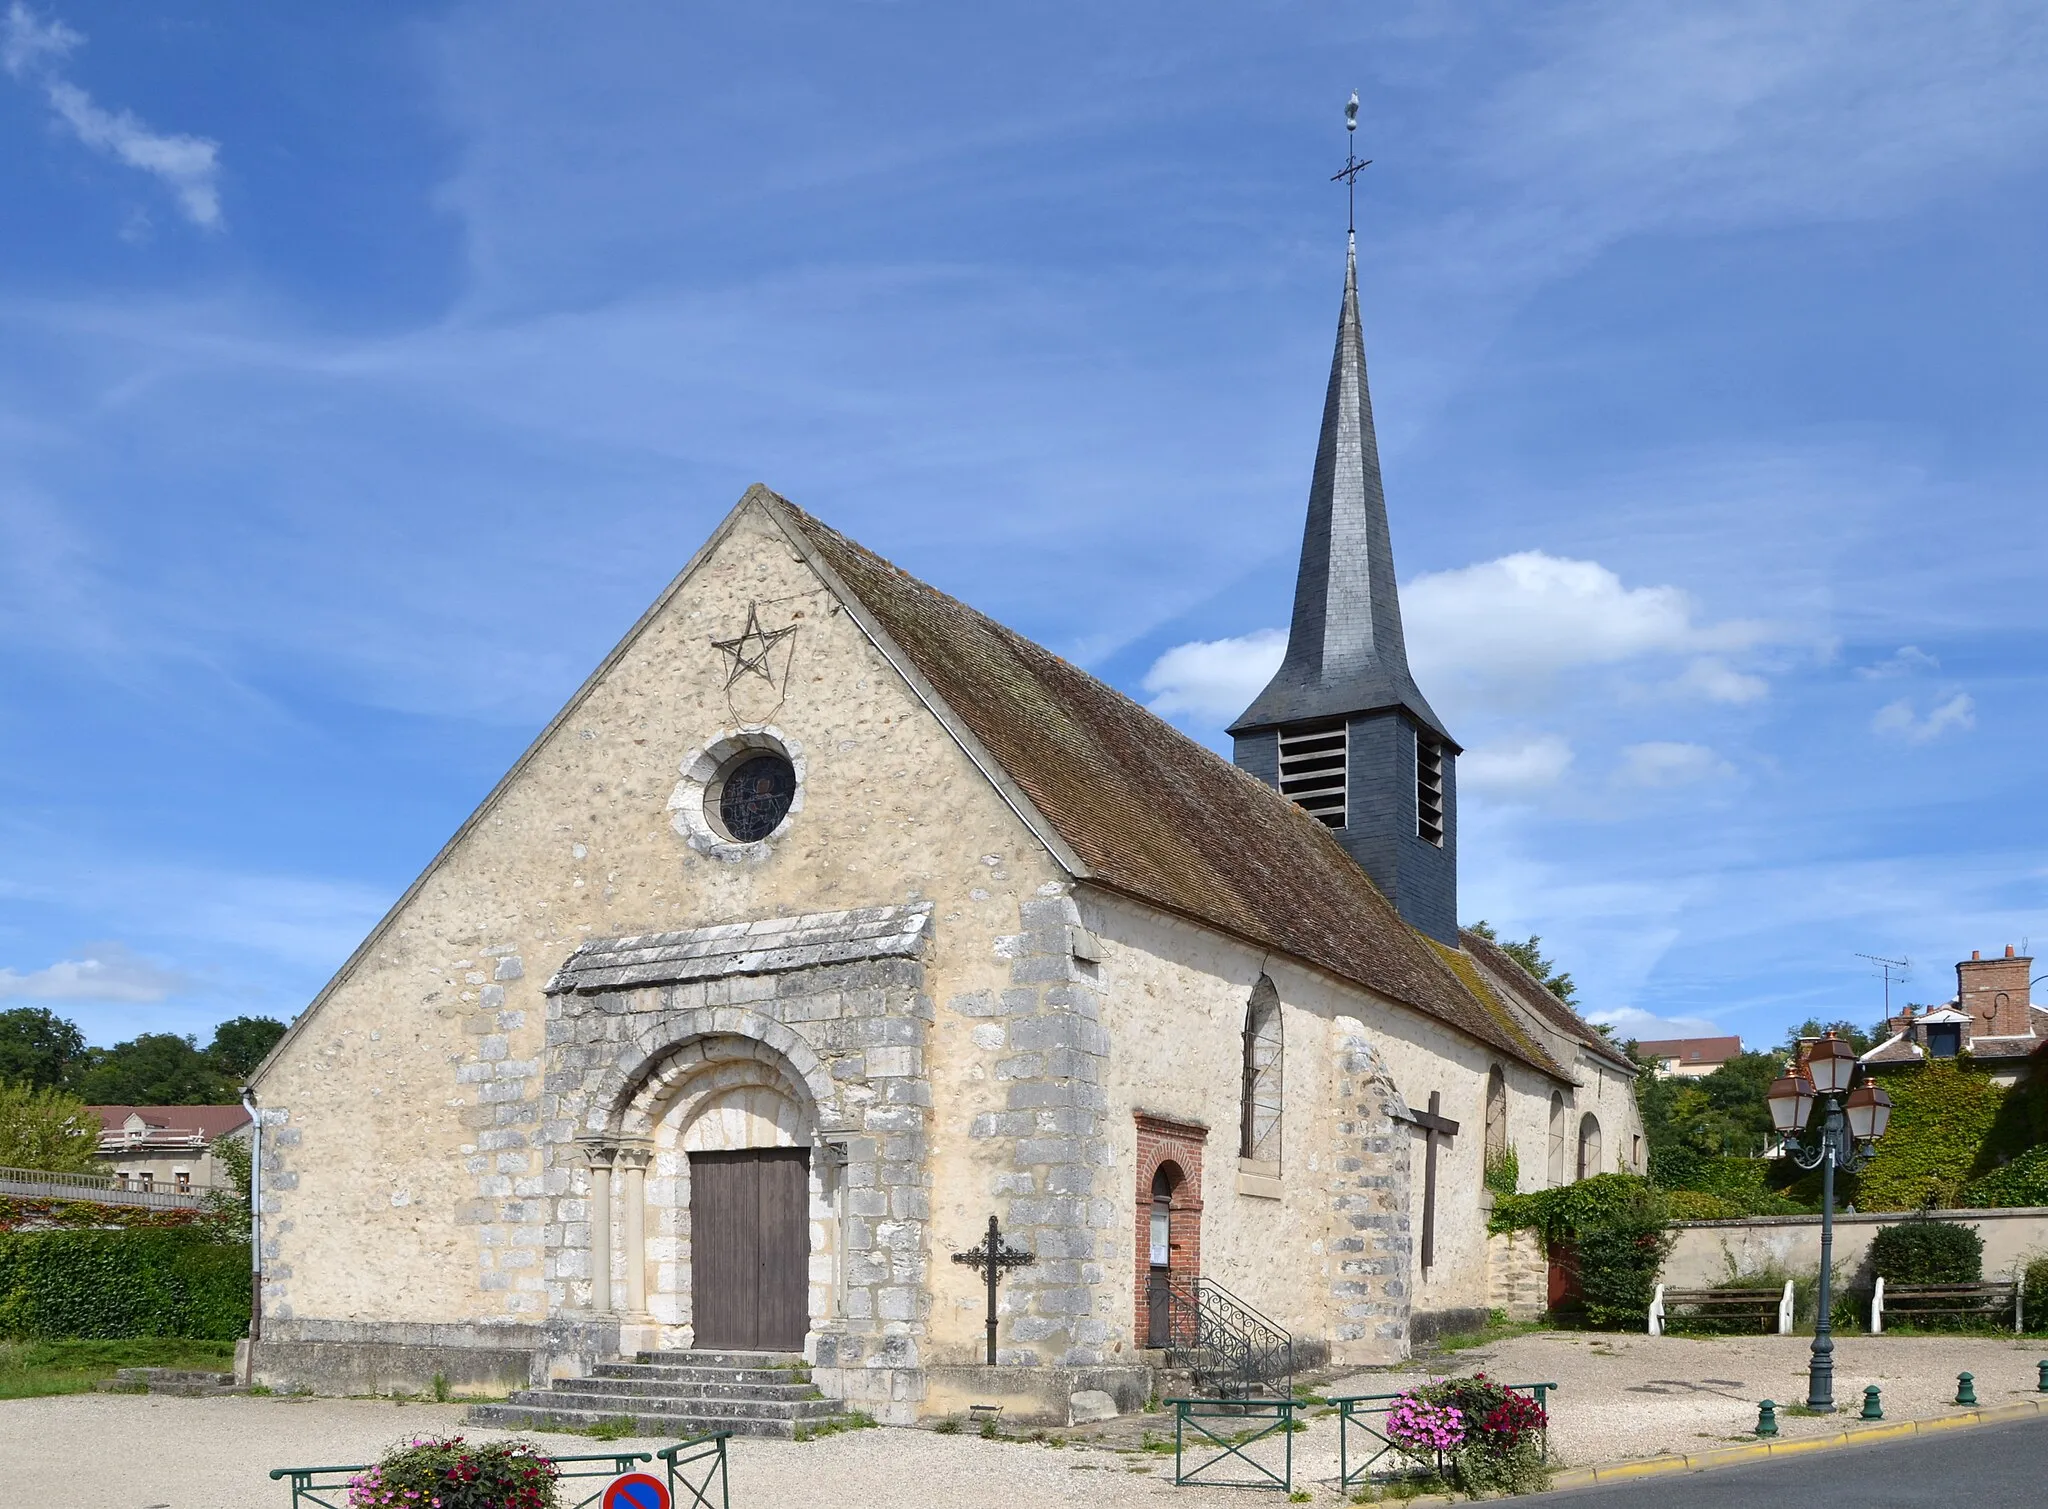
1709	1252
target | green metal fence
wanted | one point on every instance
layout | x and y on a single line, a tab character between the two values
1358	1435
695	1467
1198	1425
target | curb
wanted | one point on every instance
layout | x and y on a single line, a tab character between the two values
1736	1456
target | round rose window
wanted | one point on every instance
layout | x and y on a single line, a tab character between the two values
754	797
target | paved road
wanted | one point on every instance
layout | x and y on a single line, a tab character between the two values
1990	1467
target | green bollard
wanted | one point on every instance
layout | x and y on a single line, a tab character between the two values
1872	1408
1966	1388
1767	1418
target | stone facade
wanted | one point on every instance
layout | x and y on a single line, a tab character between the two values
477	1142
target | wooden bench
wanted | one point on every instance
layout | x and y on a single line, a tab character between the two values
1762	1305
1993	1297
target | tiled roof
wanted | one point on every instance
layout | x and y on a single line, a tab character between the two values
1537	998
1692	1050
770	946
167	1126
1148	811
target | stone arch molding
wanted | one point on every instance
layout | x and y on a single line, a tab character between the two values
676	1050
700	768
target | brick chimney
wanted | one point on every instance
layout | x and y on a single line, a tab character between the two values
1994	993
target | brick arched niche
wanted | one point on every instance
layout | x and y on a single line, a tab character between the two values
719	1093
1169	1173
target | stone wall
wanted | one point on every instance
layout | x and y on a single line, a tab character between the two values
1708	1252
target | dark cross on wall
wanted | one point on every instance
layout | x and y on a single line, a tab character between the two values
992	1255
1433	1125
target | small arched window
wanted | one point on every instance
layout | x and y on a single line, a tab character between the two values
1496	1115
1589	1145
1558	1166
1264	1065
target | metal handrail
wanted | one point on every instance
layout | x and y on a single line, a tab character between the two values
101	1189
1223	1341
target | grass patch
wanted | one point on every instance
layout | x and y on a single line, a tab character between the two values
838	1424
31	1369
1493	1331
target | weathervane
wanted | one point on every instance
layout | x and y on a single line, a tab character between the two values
1353	164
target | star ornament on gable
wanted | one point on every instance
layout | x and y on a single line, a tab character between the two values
750	651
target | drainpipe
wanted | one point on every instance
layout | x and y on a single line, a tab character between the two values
255	1227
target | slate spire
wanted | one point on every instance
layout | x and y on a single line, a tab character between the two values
1346	653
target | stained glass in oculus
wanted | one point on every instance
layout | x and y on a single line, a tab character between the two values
756	797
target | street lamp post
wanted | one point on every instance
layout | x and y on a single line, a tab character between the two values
1852	1120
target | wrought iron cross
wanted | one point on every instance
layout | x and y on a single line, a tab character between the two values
1353	163
992	1255
1433	1126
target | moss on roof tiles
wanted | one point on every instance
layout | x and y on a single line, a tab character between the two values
1152	813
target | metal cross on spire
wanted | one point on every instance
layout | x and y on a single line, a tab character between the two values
1353	164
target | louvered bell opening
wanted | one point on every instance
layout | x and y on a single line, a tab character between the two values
1429	790
1312	765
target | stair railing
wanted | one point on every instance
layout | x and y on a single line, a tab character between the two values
1226	1345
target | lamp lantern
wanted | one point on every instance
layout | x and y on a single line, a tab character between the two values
1869	1110
1791	1101
1831	1063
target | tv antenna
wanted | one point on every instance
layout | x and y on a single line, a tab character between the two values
1905	971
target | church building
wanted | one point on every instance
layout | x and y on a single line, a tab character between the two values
831	919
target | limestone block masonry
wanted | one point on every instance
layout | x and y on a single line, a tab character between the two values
1053	1189
826	1012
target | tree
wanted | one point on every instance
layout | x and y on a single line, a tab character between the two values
241	1043
153	1069
46	1130
1848	1032
1529	954
38	1047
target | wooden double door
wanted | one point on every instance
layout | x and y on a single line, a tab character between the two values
750	1249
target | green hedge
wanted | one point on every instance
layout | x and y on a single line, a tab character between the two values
1943	1116
117	1284
2024	1181
1920	1250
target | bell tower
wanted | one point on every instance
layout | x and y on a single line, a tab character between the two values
1342	729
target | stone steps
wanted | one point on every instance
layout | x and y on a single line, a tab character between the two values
186	1382
676	1394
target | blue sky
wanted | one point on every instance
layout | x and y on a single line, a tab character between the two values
365	370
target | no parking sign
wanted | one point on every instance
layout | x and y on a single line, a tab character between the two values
636	1490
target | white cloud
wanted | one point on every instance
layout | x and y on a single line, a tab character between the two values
27	43
1660	763
31	49
1717	681
1898	720
1531	615
1214	678
1509	771
1907	660
106	972
1630	1021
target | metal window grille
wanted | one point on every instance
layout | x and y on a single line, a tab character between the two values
1312	771
1429	789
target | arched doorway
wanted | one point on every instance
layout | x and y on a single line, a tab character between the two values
1159	1257
732	1199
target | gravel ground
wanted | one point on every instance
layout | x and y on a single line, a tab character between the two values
1619	1397
1624	1396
